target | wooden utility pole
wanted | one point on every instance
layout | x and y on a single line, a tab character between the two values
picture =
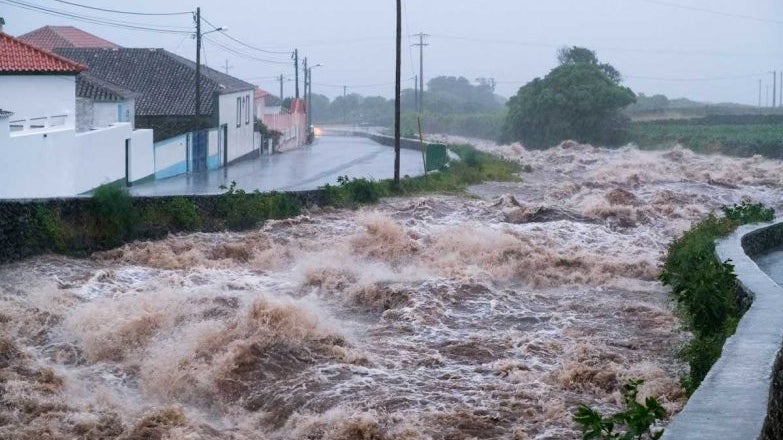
281	91
416	92
295	56
197	121
398	79
421	44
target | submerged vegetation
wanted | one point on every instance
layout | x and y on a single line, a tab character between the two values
706	289
112	217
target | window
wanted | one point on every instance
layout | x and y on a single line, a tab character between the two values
247	109
239	112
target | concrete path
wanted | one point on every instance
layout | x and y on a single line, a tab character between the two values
307	168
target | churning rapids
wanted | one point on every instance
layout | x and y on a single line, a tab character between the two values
439	317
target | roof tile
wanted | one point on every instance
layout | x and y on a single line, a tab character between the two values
16	56
51	37
165	82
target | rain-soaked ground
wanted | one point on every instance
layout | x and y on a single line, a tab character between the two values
489	315
313	166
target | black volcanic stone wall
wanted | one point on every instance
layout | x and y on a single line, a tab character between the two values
757	243
24	234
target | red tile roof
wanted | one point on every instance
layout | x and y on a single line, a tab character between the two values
51	37
19	57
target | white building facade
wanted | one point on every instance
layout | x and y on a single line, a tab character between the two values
42	153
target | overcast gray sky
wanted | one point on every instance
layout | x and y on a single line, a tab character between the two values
709	50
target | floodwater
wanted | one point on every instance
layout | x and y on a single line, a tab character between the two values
302	169
489	315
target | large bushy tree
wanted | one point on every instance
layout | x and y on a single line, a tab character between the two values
576	100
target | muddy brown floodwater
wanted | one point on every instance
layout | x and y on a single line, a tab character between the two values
489	315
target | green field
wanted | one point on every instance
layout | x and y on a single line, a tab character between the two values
736	139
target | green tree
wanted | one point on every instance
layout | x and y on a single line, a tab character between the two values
580	55
574	101
451	94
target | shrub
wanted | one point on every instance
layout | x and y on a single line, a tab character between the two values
239	209
636	420
747	212
51	228
361	190
706	289
281	205
182	214
115	216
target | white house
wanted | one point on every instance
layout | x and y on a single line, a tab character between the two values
165	101
42	153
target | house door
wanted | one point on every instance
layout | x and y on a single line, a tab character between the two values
200	150
127	162
224	143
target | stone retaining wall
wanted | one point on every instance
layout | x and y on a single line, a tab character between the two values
742	396
22	235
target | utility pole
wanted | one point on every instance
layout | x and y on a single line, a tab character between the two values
766	103
416	92
296	70
197	122
398	78
281	91
227	66
759	93
421	44
345	102
310	105
774	88
306	98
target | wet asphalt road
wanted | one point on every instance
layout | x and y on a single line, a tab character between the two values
303	169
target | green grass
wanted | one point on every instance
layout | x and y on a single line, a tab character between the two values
473	167
732	139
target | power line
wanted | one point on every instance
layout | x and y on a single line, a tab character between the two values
249	46
122	12
705	79
360	86
711	11
242	54
673	79
94	20
605	48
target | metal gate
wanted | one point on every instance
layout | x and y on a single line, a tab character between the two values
200	148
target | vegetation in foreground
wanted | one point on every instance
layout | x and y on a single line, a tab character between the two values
635	422
112	217
705	289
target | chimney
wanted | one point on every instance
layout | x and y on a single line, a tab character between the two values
2	22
